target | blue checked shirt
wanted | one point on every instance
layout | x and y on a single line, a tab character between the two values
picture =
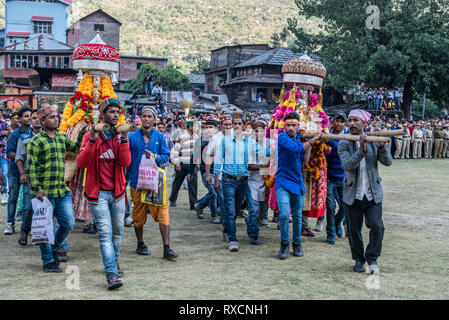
233	157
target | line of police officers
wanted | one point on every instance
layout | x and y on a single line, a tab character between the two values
422	140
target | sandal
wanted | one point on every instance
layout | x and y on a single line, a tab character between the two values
23	239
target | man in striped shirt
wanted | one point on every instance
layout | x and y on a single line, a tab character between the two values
180	157
235	153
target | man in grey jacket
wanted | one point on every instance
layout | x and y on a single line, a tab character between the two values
362	191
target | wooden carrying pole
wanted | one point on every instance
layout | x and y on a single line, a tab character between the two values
127	128
102	127
390	133
349	137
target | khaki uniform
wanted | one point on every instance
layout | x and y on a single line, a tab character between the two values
388	145
428	143
398	144
405	152
417	138
446	143
438	147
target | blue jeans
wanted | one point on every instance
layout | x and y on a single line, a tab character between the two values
397	103
334	196
108	216
13	196
235	191
379	103
149	88
63	212
4	165
27	209
220	198
289	202
210	199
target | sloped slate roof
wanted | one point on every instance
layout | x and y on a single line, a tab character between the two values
38	43
275	57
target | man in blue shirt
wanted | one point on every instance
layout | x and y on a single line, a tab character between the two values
234	154
151	143
335	175
24	116
290	187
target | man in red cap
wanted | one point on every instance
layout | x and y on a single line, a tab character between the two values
106	156
362	191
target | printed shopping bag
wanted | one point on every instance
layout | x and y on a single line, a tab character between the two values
148	175
42	230
159	198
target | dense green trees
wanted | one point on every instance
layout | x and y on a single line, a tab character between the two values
409	47
170	79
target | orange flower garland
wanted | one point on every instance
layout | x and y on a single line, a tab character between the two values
317	163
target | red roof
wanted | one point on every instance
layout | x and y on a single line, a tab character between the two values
41	18
17	33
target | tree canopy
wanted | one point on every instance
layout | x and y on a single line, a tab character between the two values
408	48
170	79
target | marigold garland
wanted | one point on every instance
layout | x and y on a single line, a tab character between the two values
80	105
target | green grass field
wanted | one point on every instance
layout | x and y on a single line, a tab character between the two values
413	262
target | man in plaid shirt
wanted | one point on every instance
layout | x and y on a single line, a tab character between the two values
45	163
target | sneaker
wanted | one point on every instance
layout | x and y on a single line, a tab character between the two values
373	268
52	267
215	220
143	250
255	240
10	229
319	225
173	204
170	254
120	273
264	223
199	211
233	246
23	239
114	282
339	231
129	221
283	252
4	198
297	250
60	256
307	233
19	216
90	230
359	266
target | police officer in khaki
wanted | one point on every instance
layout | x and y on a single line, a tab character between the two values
428	141
398	143
446	141
417	137
405	152
438	138
387	128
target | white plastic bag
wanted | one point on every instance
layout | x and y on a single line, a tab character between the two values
42	230
148	175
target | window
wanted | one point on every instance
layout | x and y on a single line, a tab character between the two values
42	27
98	27
17	61
139	64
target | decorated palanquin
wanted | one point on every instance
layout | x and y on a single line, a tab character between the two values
304	75
97	64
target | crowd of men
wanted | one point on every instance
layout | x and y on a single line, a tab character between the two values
232	153
384	98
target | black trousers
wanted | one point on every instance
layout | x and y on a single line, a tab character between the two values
373	220
192	185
